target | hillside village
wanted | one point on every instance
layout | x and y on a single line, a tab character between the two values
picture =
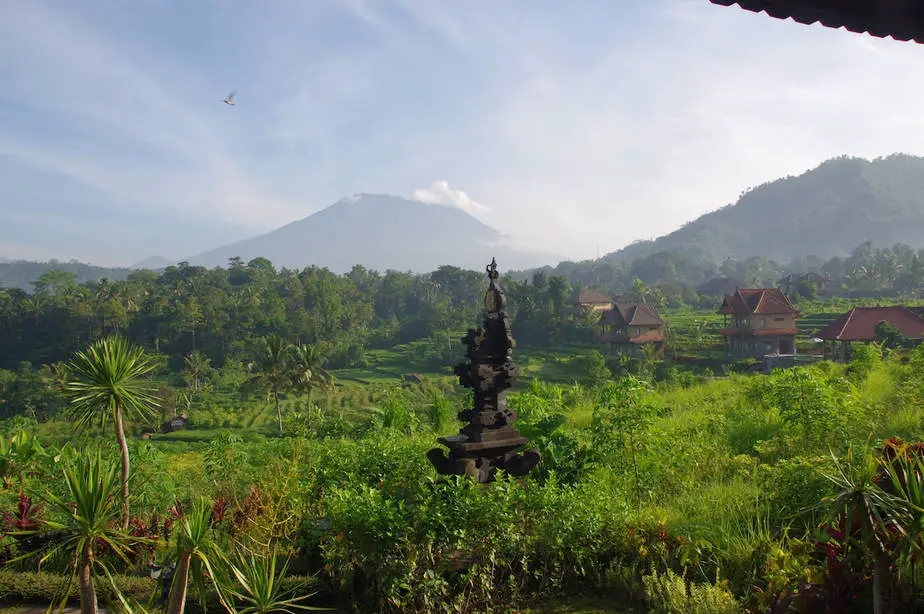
758	323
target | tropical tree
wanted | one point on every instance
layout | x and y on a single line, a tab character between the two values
639	292
90	518
197	554
197	368
272	370
109	381
308	371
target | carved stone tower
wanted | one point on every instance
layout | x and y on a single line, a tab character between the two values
489	441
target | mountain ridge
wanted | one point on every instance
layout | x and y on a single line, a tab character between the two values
842	202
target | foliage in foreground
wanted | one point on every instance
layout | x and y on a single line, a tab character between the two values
713	486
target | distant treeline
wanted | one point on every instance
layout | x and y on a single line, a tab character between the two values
222	311
867	270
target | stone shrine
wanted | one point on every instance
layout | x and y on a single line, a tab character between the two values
489	441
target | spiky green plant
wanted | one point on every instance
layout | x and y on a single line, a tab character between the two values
871	510
109	382
259	588
90	521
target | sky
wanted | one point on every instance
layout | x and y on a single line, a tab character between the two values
572	127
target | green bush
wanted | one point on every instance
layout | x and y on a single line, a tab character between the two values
670	594
47	587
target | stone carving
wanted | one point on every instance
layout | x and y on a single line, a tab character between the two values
488	441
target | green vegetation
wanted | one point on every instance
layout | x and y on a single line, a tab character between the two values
716	485
298	475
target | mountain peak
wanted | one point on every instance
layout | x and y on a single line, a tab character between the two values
380	232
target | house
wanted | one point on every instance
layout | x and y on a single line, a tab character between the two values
594	300
859	326
627	327
718	286
759	321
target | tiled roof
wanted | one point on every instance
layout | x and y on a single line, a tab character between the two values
749	301
632	314
589	296
859	324
901	19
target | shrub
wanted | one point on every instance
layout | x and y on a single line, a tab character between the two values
670	594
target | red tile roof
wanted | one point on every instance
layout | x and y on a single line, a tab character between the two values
632	314
749	301
901	19
859	324
589	296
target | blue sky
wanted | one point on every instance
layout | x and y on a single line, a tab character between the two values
571	126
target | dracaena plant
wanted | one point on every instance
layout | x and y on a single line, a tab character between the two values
110	382
259	588
89	525
199	556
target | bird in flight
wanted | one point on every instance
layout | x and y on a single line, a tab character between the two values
230	99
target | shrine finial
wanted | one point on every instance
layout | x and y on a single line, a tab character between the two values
491	270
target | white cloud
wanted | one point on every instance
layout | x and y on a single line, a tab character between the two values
439	193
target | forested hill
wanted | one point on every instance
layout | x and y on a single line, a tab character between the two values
842	203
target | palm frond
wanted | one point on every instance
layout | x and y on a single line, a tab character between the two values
111	373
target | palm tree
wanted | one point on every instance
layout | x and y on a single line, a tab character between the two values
108	381
308	371
89	518
197	368
271	368
197	552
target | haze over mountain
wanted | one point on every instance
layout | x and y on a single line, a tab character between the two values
381	232
824	212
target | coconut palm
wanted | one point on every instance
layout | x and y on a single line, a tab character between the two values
90	518
308	371
108	381
272	370
197	368
197	553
